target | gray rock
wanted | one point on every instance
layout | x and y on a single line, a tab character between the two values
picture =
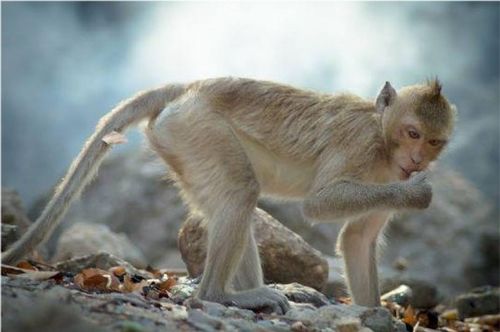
50	311
205	322
13	212
424	295
302	294
401	295
83	239
285	256
131	196
14	220
376	319
480	301
9	235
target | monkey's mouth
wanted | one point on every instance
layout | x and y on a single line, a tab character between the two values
406	174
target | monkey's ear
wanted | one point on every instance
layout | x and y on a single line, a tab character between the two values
385	97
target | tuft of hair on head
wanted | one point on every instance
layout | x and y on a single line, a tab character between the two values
435	85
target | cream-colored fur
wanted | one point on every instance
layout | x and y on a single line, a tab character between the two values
228	141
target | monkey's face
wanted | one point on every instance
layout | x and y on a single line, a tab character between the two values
415	147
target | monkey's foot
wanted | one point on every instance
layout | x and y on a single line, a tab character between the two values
261	297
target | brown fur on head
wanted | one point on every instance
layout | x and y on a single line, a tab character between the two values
417	122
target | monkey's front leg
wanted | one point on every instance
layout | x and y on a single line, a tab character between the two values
357	243
345	198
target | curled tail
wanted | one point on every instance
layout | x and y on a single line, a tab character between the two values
147	104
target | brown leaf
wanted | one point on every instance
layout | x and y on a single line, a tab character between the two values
166	285
26	265
130	286
39	275
118	271
12	270
409	316
97	280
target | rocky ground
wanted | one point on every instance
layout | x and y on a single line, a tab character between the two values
98	264
101	292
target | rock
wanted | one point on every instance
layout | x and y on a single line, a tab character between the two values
302	294
480	301
83	239
9	235
285	256
101	260
14	220
401	295
13	211
131	196
376	319
47	312
92	311
424	295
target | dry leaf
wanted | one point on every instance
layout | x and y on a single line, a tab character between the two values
114	137
39	275
409	316
130	285
166	285
26	265
118	271
97	279
12	270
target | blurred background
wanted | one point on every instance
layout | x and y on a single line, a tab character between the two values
64	65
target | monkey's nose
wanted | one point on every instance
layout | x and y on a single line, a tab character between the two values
416	159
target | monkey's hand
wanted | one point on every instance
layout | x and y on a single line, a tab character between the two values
261	297
418	192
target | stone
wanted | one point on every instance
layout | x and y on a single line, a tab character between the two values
285	256
376	319
9	235
13	212
424	295
14	219
131	196
401	295
480	301
50	311
83	239
302	294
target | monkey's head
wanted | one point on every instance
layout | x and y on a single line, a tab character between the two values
417	122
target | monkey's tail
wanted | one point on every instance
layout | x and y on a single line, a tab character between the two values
147	104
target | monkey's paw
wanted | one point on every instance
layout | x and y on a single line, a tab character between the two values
419	191
262	297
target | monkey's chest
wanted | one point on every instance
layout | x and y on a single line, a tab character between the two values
279	176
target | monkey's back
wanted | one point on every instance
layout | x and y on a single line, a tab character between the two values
288	121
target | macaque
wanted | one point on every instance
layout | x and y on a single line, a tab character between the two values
228	141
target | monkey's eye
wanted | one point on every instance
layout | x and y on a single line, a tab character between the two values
413	134
435	142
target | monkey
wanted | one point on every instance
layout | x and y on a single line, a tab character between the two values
228	141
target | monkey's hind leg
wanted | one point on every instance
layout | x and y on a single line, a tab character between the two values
217	179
